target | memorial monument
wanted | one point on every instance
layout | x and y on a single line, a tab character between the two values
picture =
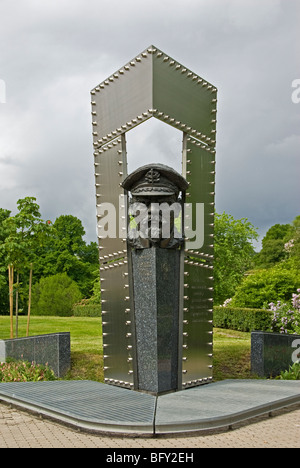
156	228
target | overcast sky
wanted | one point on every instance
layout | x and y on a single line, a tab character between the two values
53	52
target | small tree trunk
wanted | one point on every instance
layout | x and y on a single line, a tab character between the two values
11	298
29	300
17	305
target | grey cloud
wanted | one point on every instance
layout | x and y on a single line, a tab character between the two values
54	52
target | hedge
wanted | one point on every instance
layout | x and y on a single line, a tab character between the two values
224	317
243	319
92	310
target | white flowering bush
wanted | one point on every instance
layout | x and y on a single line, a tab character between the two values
286	318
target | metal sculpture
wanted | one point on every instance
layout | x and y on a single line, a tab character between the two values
153	85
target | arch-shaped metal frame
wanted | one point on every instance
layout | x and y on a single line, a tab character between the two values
154	85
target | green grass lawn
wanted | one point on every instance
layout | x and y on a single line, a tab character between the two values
231	348
231	355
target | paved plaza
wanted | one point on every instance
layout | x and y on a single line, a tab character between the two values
19	429
86	414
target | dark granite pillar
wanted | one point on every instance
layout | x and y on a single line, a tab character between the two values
156	313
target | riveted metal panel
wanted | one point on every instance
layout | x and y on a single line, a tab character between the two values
197	324
124	100
153	85
199	170
183	99
118	331
110	171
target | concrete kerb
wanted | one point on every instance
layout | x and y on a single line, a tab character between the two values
95	407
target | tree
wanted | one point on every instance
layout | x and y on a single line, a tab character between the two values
28	244
55	295
4	214
69	253
273	245
262	287
292	245
234	253
22	233
30	230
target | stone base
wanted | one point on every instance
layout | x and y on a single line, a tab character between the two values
156	315
53	349
272	353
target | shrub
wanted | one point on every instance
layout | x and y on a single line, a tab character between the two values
55	295
89	310
263	286
286	318
292	374
242	319
24	371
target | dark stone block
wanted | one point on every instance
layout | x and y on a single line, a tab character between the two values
156	313
53	349
272	353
